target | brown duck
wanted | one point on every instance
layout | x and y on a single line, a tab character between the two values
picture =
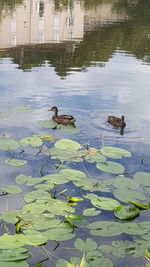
62	119
117	122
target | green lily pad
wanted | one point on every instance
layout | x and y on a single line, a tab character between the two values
118	248
110	166
14	255
9	242
15	162
66	144
84	246
60	233
91	212
126	212
37	194
11	216
105	228
115	152
34	141
126	195
142	178
122	181
141	206
4	115
14	264
96	157
11	189
47	123
105	203
8	144
21	109
22	179
31	238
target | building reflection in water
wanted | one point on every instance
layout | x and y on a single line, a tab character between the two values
39	22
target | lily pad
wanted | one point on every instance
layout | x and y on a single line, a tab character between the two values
60	233
115	152
11	189
66	144
11	216
105	228
84	246
105	203
21	109
14	264
91	212
110	166
96	157
14	255
122	181
34	141
15	162
47	123
22	179
126	212
126	195
142	178
8	144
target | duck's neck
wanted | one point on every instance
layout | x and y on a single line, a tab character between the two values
122	119
55	112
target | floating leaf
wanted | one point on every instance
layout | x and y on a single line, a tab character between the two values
31	238
15	162
14	255
21	109
11	189
122	181
9	242
47	123
115	152
105	228
37	194
91	212
134	228
3	115
126	195
126	212
118	248
62	263
22	179
110	166
8	144
34	141
105	203
95	157
142	178
60	233
141	206
11	216
66	144
84	246
102	262
14	264
102	202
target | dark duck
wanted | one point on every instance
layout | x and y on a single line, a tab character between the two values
117	122
61	119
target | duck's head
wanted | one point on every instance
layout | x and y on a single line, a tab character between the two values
54	108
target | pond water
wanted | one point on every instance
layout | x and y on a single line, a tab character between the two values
91	59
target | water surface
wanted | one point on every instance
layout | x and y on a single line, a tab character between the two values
91	60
